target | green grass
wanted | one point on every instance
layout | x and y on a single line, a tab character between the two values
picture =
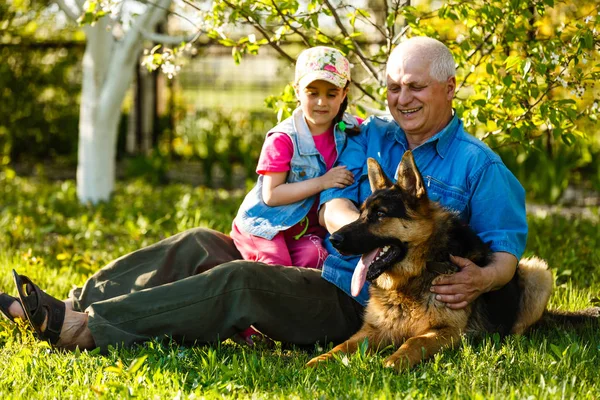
47	235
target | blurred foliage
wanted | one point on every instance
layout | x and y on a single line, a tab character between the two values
223	139
569	245
39	114
524	68
526	73
550	167
39	82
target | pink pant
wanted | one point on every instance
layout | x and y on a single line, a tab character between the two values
283	249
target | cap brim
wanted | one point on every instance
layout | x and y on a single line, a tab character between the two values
326	76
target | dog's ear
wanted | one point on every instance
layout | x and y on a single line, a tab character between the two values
377	177
409	177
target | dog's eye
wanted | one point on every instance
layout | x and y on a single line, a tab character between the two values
380	214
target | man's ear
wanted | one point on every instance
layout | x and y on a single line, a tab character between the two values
377	178
451	86
409	177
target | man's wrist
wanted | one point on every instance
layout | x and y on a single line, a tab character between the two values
491	278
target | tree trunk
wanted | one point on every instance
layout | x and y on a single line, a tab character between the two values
96	150
108	67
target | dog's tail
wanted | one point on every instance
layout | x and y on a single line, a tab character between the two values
535	282
569	318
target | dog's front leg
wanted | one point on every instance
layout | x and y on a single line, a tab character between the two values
349	346
419	348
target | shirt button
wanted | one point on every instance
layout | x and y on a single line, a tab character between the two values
302	174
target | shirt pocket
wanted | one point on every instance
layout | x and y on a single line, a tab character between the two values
302	172
451	197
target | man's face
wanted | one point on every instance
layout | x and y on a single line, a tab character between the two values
420	104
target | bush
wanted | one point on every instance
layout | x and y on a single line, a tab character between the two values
220	139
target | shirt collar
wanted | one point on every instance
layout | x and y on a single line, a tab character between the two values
306	144
443	137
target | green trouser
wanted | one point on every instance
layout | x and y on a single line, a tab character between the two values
193	288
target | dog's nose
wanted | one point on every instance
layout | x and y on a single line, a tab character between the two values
336	240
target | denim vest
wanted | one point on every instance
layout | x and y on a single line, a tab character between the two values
257	218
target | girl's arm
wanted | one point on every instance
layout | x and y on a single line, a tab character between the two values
277	192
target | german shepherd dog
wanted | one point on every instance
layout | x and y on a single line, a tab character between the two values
406	240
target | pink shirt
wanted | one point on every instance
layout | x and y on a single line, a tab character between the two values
278	149
276	155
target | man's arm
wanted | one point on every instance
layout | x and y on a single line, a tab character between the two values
505	228
460	289
336	213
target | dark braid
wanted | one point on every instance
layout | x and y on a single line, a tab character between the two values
350	131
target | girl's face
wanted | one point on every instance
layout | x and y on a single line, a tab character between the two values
320	102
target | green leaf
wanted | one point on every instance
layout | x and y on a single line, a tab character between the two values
511	61
137	364
556	351
314	18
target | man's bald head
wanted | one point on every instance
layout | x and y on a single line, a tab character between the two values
420	88
427	51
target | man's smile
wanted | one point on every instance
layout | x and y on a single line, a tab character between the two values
410	111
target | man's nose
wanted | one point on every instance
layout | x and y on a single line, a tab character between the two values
404	97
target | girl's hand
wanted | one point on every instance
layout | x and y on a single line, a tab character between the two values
338	177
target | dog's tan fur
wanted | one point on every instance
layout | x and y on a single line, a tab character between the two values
536	287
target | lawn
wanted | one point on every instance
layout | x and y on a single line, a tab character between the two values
47	235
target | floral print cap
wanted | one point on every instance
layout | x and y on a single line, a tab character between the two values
322	63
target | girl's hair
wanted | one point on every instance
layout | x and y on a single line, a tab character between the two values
350	131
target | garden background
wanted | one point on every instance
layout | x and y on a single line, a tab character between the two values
188	140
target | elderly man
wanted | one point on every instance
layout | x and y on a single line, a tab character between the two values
194	288
461	172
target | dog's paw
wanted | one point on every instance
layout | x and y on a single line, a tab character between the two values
398	363
314	363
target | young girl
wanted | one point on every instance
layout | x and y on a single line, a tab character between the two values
277	222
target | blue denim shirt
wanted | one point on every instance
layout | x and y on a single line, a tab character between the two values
254	215
460	171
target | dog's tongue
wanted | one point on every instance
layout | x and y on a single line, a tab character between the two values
359	276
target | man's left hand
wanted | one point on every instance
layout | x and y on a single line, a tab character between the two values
462	288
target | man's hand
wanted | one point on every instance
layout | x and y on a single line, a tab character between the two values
462	288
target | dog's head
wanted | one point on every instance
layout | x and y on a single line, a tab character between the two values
393	219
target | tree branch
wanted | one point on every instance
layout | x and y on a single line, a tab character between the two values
71	14
265	34
168	39
285	21
368	67
367	20
479	47
128	50
525	113
362	89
